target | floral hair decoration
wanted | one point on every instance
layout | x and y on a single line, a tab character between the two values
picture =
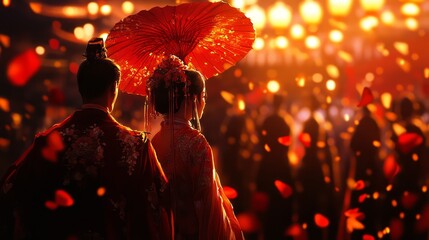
172	71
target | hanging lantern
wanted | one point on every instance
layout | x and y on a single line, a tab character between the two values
311	12
339	8
279	15
372	5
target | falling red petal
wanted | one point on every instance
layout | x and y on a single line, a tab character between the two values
285	140
354	213
230	192
321	221
362	197
305	139
248	222
63	199
366	97
73	67
408	141
294	230
23	67
368	237
390	168
49	154
284	189
55	141
51	205
359	185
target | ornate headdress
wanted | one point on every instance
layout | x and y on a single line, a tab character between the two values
95	49
171	71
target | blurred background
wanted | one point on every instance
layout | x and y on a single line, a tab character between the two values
320	132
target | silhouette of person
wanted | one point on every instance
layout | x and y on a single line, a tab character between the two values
200	206
275	166
409	148
88	177
315	190
365	150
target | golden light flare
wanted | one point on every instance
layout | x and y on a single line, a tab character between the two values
282	42
4	104
412	24
106	9
368	23
6	3
426	72
258	44
401	47
347	57
311	12
67	11
241	105
317	77
297	31
336	36
257	16
403	64
387	17
312	42
101	191
273	86
410	9
331	85
128	7
227	96
279	15
333	71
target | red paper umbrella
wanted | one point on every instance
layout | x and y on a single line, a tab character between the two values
211	37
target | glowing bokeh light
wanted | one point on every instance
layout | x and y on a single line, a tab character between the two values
317	77
332	71
339	8
282	42
128	7
311	12
368	23
88	30
79	33
106	9
412	24
297	31
280	15
410	9
258	44
40	50
312	42
238	3
273	86
6	3
336	36
93	8
104	36
331	85
387	17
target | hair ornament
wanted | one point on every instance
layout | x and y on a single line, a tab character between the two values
171	70
95	49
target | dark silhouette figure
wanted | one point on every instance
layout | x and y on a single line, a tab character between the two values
88	177
314	179
275	167
365	150
409	148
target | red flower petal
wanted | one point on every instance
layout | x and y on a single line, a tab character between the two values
23	67
366	97
359	185
285	140
362	197
230	192
51	205
390	168
321	221
368	237
63	199
284	189
305	139
408	141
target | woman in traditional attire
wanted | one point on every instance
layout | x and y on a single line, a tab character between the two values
201	209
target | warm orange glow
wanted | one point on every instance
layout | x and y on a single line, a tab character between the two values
128	7
106	9
280	15
273	86
336	36
339	8
6	3
282	42
331	85
372	5
101	191
92	8
410	9
257	16
412	24
297	31
258	44
312	42
321	221
387	17
311	12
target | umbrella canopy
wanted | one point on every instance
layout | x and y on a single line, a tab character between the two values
210	37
